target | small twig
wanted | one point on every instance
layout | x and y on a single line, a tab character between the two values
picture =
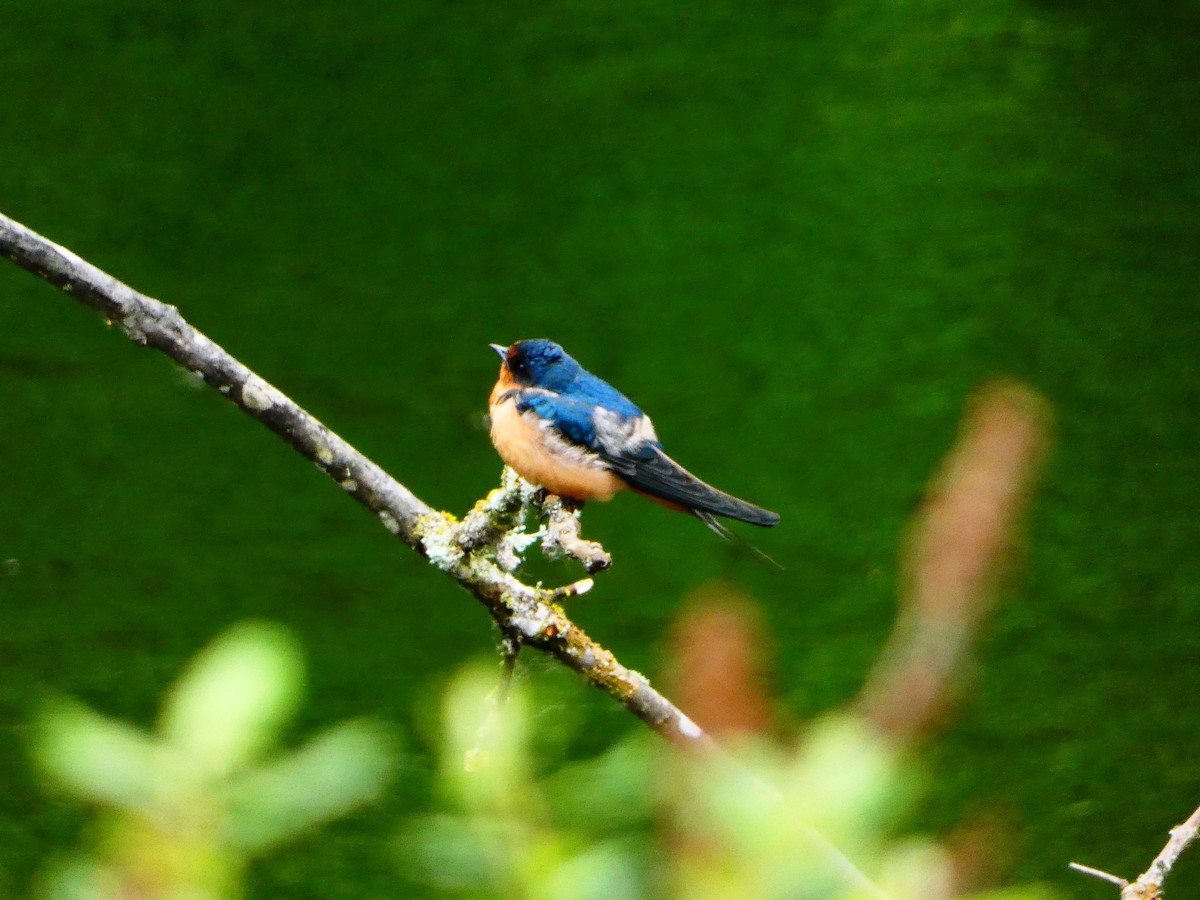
562	535
509	649
567	591
1149	884
1097	873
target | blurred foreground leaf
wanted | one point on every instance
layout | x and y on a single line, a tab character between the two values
98	759
182	811
344	767
234	697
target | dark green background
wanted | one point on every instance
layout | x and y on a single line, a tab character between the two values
797	234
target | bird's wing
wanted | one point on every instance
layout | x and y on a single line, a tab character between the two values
629	446
572	419
652	472
626	444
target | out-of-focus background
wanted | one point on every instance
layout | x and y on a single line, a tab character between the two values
798	235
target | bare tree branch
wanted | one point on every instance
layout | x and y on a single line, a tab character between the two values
1181	836
460	549
1149	884
480	551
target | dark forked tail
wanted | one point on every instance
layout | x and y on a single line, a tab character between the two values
659	476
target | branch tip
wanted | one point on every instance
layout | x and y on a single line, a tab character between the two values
1099	873
572	590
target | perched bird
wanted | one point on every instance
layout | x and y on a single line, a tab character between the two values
561	427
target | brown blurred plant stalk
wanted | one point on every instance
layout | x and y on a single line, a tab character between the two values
959	546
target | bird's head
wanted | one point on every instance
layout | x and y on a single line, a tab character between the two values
538	363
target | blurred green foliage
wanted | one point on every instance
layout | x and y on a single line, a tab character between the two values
183	810
644	819
797	234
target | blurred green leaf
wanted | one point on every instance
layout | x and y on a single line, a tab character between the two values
99	759
234	697
454	853
608	870
344	767
613	790
185	813
81	880
846	780
1025	892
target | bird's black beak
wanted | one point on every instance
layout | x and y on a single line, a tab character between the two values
501	351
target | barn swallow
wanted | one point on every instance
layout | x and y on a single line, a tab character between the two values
561	427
